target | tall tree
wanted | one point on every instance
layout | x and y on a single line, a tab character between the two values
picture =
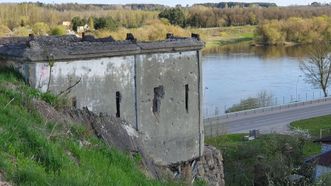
317	68
77	21
174	15
105	22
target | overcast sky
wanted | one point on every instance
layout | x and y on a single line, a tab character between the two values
170	2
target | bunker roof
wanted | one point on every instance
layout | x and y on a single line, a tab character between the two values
70	47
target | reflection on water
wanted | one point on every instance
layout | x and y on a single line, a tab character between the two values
236	72
297	51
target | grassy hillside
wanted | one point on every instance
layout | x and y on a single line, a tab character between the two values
34	151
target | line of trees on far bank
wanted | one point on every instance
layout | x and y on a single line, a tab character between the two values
275	24
204	17
294	29
19	18
14	15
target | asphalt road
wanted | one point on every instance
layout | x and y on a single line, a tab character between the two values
277	121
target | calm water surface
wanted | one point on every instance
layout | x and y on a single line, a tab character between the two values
233	73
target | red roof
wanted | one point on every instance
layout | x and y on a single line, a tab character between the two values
321	159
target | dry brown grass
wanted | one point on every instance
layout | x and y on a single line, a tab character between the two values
154	30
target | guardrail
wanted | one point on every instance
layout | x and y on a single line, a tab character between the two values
265	110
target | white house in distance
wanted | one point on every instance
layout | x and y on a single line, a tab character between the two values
67	24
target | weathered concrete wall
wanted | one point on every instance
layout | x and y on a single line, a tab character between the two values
173	133
155	86
99	80
160	96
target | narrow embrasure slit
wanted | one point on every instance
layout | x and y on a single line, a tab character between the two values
118	104
158	95
186	97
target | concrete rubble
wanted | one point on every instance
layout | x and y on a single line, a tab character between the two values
210	167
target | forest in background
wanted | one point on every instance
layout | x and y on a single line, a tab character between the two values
153	21
295	30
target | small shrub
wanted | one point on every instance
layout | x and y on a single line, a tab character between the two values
105	23
49	98
263	99
40	28
22	31
58	31
303	133
200	182
4	31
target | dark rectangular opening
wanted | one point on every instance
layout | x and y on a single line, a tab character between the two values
74	102
118	104
186	97
158	95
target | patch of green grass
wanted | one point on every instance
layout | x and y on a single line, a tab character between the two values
227	42
229	140
310	148
10	78
313	125
200	182
30	154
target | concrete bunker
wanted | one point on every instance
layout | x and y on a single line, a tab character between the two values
155	86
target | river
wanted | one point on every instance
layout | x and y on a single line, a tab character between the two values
237	72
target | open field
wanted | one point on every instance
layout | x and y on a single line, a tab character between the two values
219	36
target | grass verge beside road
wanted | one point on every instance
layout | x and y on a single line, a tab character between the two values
314	125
